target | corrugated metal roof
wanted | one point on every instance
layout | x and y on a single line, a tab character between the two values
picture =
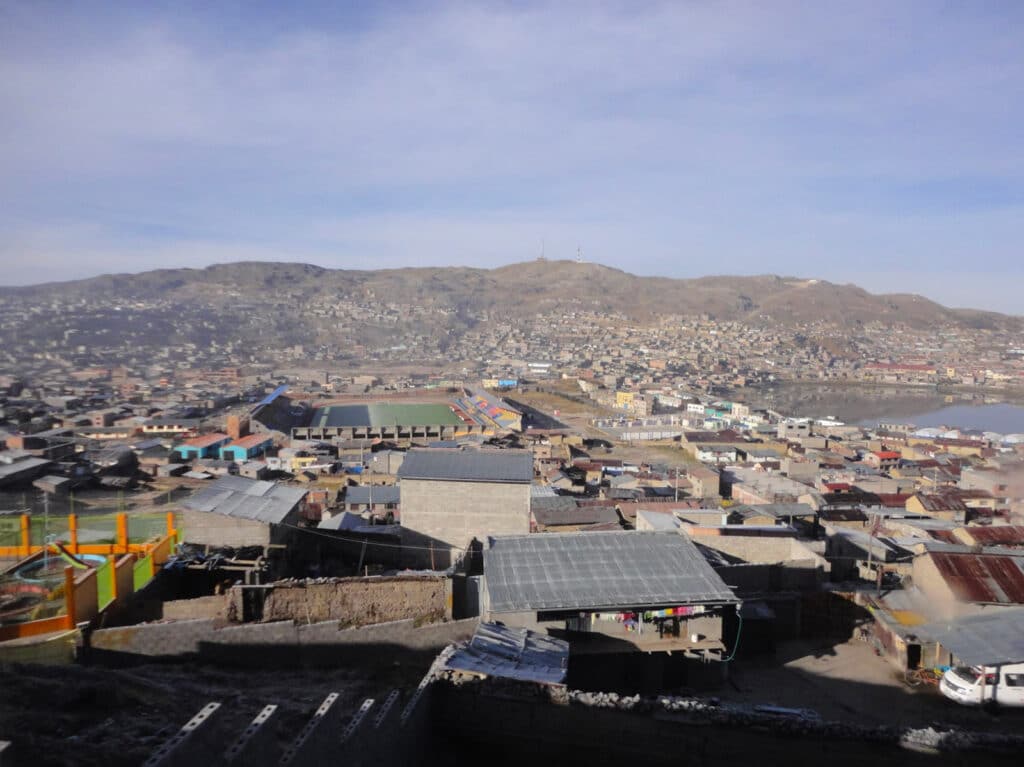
512	653
982	577
354	523
247	499
557	503
381	494
469	465
1007	535
206	440
598	571
993	638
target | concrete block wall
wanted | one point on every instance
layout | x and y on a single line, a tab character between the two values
218	530
155	639
451	514
215	607
282	642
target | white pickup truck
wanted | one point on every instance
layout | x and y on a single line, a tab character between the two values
977	685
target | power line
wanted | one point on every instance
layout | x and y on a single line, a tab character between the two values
314	531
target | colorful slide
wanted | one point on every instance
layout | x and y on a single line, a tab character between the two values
68	557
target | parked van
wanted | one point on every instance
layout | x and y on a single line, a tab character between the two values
975	685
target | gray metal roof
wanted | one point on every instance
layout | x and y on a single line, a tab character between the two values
777	510
552	503
347	521
512	653
247	499
17	467
469	465
381	494
598	571
993	638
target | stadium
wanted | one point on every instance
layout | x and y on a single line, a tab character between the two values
409	421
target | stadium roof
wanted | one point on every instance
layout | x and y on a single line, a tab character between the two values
247	499
384	414
599	571
469	465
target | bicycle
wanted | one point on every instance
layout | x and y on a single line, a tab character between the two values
915	677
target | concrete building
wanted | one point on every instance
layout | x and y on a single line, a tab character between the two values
451	497
375	500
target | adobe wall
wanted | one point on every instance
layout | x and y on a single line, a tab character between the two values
361	601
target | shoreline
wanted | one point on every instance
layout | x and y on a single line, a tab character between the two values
1010	396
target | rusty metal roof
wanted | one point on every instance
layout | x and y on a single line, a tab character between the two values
986	578
999	535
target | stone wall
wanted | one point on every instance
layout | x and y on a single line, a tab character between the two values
599	729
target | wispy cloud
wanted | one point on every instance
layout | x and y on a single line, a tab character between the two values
672	138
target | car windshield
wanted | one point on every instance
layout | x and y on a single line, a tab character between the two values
967	674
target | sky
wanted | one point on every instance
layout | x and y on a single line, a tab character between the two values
873	143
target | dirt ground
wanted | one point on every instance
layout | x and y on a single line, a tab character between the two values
849	682
76	715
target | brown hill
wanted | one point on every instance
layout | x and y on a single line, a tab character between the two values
525	289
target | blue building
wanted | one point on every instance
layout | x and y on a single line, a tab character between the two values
245	448
204	446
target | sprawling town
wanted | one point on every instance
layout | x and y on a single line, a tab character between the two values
566	522
156	344
519	384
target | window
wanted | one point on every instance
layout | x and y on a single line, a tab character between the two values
966	674
1013	680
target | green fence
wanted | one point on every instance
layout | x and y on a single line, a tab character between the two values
39	527
105	584
146	526
142	572
10	530
92	528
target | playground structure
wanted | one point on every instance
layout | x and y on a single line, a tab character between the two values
55	586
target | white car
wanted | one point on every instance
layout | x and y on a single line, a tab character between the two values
976	685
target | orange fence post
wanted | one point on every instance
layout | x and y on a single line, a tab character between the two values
73	533
69	595
26	536
113	577
170	524
122	533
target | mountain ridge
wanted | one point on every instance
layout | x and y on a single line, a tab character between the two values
536	286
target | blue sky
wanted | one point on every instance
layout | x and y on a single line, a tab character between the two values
875	143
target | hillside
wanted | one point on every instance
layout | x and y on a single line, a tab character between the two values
255	312
522	290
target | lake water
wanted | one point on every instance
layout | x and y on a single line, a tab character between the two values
870	405
1002	417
